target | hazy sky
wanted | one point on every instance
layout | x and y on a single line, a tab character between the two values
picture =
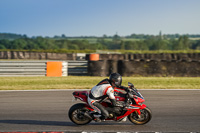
99	17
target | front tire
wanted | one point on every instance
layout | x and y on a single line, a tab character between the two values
144	117
76	114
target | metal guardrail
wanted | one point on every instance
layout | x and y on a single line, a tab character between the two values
77	67
22	68
38	68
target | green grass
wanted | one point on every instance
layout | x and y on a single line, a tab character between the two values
108	51
155	51
86	82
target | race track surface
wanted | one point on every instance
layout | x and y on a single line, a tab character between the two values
173	111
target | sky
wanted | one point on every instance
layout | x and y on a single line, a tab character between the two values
99	17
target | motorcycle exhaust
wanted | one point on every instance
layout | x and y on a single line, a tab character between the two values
86	114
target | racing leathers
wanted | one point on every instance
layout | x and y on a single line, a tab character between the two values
99	93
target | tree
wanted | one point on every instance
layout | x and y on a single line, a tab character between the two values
19	44
40	41
74	47
6	43
2	46
104	36
182	43
116	38
142	45
122	45
186	43
62	44
63	36
196	45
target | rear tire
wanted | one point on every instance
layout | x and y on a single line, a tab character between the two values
76	114
145	116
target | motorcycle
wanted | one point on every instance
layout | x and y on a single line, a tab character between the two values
131	105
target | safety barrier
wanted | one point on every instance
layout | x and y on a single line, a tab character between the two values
22	68
78	68
56	69
43	68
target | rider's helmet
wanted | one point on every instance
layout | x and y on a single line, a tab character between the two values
116	78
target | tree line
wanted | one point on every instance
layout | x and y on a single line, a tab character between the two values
159	42
12	36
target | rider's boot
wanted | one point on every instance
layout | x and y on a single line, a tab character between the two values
102	118
97	117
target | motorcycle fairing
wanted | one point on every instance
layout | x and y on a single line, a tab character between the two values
88	107
82	95
132	108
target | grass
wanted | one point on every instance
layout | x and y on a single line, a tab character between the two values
87	82
155	51
109	51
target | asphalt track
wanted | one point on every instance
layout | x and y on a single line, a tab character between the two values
173	111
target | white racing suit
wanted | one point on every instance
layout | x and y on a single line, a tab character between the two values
99	93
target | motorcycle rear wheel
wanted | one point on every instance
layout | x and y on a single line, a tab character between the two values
76	114
144	117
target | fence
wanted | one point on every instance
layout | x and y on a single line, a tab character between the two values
39	68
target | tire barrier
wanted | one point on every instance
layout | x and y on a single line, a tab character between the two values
163	64
38	55
98	68
102	67
144	68
80	56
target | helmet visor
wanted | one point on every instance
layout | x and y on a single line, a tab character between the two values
118	82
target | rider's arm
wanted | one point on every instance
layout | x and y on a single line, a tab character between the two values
123	88
110	93
111	96
114	103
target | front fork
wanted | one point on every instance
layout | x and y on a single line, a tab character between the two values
138	112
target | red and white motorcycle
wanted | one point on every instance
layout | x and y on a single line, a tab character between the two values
132	107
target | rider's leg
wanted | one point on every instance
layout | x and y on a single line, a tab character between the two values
104	112
91	101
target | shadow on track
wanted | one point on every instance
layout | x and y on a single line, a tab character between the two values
37	122
56	123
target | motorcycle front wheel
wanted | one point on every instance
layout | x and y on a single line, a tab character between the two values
143	118
76	114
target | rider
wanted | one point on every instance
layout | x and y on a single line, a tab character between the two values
103	90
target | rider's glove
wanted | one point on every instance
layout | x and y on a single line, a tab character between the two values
124	88
115	103
118	104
